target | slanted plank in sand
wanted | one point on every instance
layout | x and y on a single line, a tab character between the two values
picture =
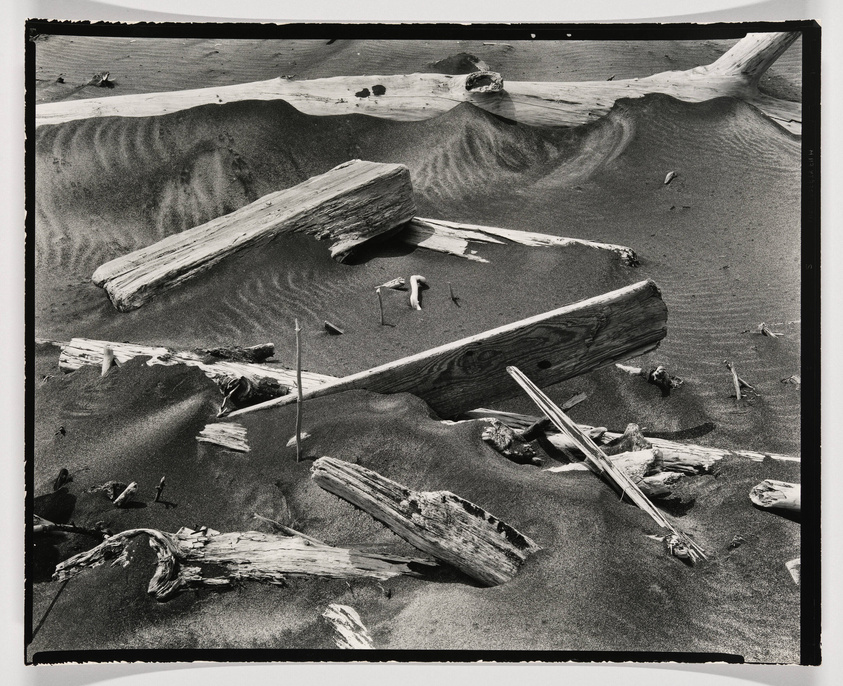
242	555
438	523
264	381
554	346
414	97
349	205
349	630
454	238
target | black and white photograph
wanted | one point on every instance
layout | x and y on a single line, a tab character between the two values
463	342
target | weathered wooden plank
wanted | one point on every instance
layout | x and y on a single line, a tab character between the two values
413	97
271	381
438	523
183	555
454	238
672	451
230	435
554	346
349	205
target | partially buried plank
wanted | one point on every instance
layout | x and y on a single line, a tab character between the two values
349	205
554	346
438	523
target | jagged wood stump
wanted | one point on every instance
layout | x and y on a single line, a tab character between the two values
438	523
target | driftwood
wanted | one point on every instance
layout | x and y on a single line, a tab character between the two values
438	523
602	466
349	631
241	382
696	457
159	489
738	383
126	496
795	569
413	97
397	284
229	435
416	283
777	495
509	444
242	555
43	526
333	329
658	376
453	238
253	354
555	346
349	205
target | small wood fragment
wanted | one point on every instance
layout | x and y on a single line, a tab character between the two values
229	435
396	284
380	304
735	381
416	282
254	354
303	437
509	444
62	479
333	329
349	631
159	489
437	522
782	495
108	360
125	497
795	569
42	526
765	330
794	379
670	176
657	376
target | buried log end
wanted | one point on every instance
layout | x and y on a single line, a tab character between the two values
771	494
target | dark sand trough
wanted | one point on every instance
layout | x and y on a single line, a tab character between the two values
721	240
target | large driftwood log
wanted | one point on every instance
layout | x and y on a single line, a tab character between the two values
250	382
413	97
771	494
693	457
438	523
554	346
243	555
600	463
349	205
453	238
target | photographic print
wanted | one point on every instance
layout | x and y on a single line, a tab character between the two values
435	342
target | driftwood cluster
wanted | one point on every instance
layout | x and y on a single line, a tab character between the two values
358	202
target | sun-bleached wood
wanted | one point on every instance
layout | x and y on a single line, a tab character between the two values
454	238
348	205
782	495
229	435
349	630
601	464
413	97
85	351
438	523
554	346
696	457
240	555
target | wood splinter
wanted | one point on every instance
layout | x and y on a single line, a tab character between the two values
658	376
737	381
396	284
416	283
159	489
123	499
349	631
508	443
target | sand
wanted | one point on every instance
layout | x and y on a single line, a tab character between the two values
721	240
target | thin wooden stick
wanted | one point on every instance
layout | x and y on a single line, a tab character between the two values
735	380
159	489
597	459
380	302
299	391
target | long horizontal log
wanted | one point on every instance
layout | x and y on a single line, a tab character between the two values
349	205
697	456
263	380
243	555
454	238
413	97
554	346
438	523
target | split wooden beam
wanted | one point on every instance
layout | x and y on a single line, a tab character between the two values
438	523
696	457
414	97
241	382
182	558
553	346
349	205
454	238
